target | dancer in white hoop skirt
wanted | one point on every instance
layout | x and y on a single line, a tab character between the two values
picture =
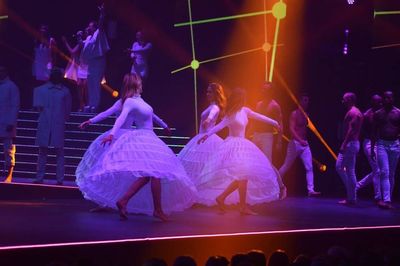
111	175
238	164
194	156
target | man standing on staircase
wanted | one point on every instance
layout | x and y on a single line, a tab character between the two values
53	101
9	107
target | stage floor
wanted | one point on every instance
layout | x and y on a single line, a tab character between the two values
51	221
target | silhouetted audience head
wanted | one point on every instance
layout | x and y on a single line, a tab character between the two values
257	257
302	260
56	75
339	256
278	258
184	261
217	261
155	262
240	259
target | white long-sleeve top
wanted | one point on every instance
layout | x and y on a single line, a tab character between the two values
237	122
134	111
211	113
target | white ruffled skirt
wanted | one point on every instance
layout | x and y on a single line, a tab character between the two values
105	173
194	156
238	159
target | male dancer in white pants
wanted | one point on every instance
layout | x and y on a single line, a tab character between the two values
93	53
367	130
346	161
263	135
298	144
387	132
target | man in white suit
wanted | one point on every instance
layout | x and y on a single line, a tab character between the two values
9	107
53	100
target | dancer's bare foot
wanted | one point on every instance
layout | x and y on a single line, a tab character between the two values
99	209
247	211
123	214
160	215
282	193
221	205
347	202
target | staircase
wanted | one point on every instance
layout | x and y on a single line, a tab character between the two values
76	143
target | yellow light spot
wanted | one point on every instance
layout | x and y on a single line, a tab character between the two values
195	64
322	168
267	47
115	94
279	10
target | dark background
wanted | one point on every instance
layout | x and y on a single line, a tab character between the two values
310	59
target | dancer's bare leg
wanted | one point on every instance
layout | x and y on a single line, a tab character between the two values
156	192
244	209
221	198
132	190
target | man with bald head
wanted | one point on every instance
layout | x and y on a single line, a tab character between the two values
387	131
367	130
346	161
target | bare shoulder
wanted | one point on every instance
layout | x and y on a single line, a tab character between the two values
274	105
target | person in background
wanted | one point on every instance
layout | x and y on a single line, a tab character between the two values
9	107
53	101
44	55
93	54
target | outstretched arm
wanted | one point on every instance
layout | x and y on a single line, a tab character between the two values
110	111
159	121
253	115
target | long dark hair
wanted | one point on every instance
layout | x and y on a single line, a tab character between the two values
218	97
236	101
131	85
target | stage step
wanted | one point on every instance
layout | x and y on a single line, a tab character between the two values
76	143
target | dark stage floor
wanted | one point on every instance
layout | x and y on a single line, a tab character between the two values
43	221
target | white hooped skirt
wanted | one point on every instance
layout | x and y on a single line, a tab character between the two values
194	156
238	159
105	173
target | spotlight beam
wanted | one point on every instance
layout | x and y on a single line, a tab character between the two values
265	39
3	17
210	20
310	123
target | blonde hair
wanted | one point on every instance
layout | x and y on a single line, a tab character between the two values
219	97
132	84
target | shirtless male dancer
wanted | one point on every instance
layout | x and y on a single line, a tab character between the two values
387	132
346	161
298	144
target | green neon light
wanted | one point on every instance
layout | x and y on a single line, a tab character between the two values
195	101
223	18
385	46
191	30
180	69
3	17
382	13
195	64
279	10
271	69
